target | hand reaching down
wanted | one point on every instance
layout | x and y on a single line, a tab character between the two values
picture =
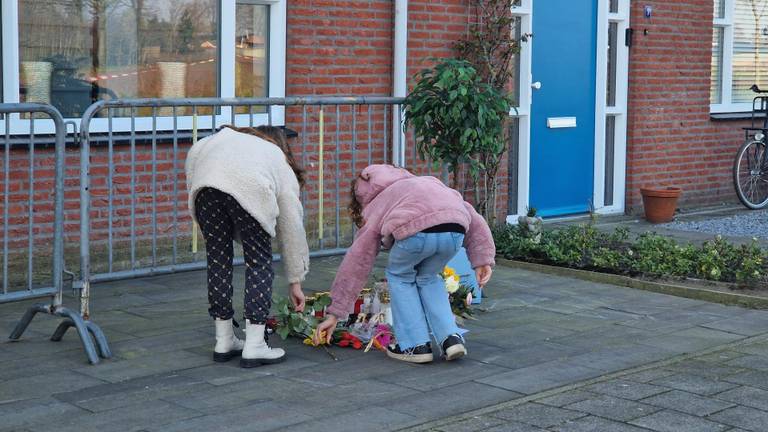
483	274
297	297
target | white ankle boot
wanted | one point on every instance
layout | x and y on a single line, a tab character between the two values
256	351
228	345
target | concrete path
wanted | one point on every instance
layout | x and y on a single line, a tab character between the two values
538	334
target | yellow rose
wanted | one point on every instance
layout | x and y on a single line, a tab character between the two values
310	340
448	272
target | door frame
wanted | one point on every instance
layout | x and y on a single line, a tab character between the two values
619	111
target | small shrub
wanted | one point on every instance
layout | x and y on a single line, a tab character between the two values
751	264
660	256
714	259
650	254
613	253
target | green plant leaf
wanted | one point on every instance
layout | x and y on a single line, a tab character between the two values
283	332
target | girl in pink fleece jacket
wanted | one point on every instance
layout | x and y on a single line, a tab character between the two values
425	223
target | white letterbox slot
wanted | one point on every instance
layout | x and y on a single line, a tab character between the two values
561	122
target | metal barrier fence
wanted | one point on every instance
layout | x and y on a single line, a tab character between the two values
134	218
33	284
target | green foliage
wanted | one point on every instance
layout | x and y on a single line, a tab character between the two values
290	322
611	251
752	264
721	260
660	256
455	116
649	254
321	301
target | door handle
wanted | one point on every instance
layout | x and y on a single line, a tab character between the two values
536	85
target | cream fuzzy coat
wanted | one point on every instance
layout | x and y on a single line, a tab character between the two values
255	173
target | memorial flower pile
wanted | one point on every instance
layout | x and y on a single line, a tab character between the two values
368	327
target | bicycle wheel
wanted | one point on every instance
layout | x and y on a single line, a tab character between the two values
750	175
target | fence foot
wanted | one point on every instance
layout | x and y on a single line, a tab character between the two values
73	319
101	340
61	329
98	336
26	319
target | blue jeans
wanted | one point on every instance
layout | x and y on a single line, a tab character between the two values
419	300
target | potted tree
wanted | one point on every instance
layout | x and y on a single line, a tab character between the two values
490	48
456	116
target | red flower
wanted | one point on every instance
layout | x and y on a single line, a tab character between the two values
343	343
271	323
357	344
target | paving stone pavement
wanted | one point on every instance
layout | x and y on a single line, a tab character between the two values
547	353
720	390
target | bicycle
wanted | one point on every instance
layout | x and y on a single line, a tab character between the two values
750	169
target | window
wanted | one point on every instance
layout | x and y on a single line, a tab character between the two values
739	53
71	53
252	36
614	123
74	52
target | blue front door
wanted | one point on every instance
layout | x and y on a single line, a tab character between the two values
563	108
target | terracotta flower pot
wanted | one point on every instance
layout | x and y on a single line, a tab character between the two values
660	203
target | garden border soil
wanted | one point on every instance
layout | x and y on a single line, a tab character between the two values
675	289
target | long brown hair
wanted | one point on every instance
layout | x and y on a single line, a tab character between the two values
355	208
276	136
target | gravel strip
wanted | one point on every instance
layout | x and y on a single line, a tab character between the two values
745	224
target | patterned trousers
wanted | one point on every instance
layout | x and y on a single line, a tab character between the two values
220	217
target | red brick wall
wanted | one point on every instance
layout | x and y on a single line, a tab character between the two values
671	138
433	28
337	47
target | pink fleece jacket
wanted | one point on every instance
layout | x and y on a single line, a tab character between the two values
396	205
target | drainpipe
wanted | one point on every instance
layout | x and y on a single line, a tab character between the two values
399	79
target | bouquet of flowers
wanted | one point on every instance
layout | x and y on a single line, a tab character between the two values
459	295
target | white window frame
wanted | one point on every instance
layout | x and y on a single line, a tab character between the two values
727	24
618	111
227	17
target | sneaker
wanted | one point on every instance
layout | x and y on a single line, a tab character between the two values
453	347
418	354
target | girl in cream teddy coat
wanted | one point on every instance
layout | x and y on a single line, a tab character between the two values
244	184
